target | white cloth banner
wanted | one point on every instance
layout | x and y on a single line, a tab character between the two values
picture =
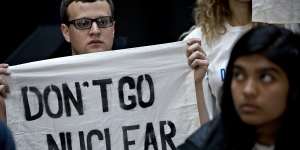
276	11
132	99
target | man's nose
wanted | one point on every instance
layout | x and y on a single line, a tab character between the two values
95	29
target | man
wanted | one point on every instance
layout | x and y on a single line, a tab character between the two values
88	25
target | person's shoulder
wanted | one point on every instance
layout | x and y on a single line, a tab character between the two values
208	136
193	32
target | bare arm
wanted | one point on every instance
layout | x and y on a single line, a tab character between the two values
2	109
203	113
198	61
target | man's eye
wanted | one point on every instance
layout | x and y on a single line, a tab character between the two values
103	21
83	22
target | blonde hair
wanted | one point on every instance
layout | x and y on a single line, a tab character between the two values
210	16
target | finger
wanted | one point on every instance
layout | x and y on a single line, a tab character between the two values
196	55
192	48
4	71
199	64
193	40
4	90
3	65
3	78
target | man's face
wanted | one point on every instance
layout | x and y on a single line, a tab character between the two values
93	39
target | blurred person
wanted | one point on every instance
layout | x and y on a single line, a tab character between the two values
6	138
219	23
259	105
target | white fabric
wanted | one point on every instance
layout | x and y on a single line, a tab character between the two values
295	27
276	11
258	146
174	100
218	53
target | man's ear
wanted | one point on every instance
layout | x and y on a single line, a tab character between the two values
65	31
113	27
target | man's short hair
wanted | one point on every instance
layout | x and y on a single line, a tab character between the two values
64	16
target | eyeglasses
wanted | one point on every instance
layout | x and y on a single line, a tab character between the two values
86	23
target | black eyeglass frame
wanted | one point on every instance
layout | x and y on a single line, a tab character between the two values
98	20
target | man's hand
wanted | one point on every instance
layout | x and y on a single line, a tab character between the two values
3	83
4	90
197	59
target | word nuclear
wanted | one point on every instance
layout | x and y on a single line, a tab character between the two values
86	142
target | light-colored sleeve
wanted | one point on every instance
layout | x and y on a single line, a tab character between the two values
196	33
210	101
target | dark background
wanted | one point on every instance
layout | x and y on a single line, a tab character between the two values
30	28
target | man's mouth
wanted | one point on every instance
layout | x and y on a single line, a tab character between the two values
92	42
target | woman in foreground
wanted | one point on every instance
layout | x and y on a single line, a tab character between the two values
260	101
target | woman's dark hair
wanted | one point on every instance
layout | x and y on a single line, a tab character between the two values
282	47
